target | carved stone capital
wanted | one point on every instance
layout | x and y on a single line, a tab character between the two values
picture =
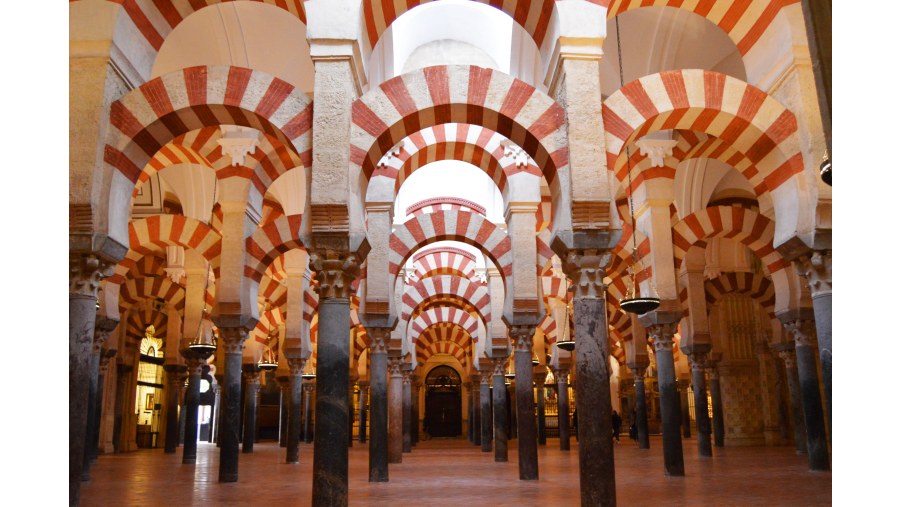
296	365
85	273
175	375
562	376
406	376
485	378
102	327
308	387
335	271
194	364
699	360
251	377
586	269
379	338
499	365
522	337
789	356
394	366
231	339
803	331
661	335
816	268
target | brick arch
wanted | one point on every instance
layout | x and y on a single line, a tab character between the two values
744	22
269	242
154	233
444	261
273	317
446	301
273	292
134	290
173	153
454	225
442	94
757	287
140	318
150	116
477	295
441	314
751	121
444	338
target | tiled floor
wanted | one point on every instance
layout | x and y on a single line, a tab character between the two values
455	473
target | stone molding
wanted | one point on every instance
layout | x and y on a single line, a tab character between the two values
662	335
522	337
231	339
586	268
85	273
335	271
816	268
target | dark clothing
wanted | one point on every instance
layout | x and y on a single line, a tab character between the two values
616	425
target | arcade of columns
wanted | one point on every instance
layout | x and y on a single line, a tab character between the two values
745	282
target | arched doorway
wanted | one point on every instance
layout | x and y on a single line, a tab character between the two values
443	402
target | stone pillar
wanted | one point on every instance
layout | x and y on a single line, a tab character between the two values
673	456
285	384
683	412
487	430
251	393
182	414
407	408
470	412
378	440
816	444
395	411
539	378
523	342
787	354
351	409
231	340
476	408
640	406
562	407
191	408
415	408
499	398
85	273
585	267
512	428
295	405
816	268
699	364
102	380
363	409
175	375
309	387
102	327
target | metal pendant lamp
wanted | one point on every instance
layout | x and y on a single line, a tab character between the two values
566	340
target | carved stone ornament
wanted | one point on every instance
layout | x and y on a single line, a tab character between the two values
335	271
296	366
379	337
699	360
516	153
803	331
522	337
662	335
656	150
499	364
562	376
486	378
816	268
789	357
251	377
231	339
85	273
394	365
586	269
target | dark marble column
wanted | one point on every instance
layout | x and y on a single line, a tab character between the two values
523	340
407	409
512	427
698	360
484	397
85	273
673	454
683	412
175	374
539	379
182	413
816	268
284	383
562	407
470	412
501	453
295	406
105	357
309	389
415	408
640	406
123	374
191	409
593	399
395	411
251	393
351	409
231	343
786	353
378	380
102	327
363	409
476	408
816	444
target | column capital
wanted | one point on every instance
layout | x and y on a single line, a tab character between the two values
335	270
803	331
499	365
85	273
699	359
296	364
562	376
231	339
195	364
816	268
251	375
586	267
485	378
394	365
789	356
379	338
102	327
662	334
175	374
522	337
540	377
308	386
475	377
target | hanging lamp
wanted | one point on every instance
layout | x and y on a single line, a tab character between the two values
566	341
633	302
825	169
269	359
202	345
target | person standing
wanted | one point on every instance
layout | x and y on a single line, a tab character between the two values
616	425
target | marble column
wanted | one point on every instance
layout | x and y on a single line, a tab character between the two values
175	374
523	340
284	383
363	409
562	407
673	454
512	428
816	444
85	273
592	391
251	393
395	411
787	354
378	380
102	327
539	379
295	405
415	408
182	413
476	408
640	407
351	409
501	453
309	388
105	357
698	360
470	412
191	408
816	268
484	397
407	409
683	413
231	343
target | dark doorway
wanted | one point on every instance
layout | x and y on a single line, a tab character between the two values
443	403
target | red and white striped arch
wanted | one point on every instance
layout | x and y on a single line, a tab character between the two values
444	261
758	287
730	222
444	338
454	225
273	292
141	317
269	320
434	204
135	290
751	121
446	285
440	314
269	242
